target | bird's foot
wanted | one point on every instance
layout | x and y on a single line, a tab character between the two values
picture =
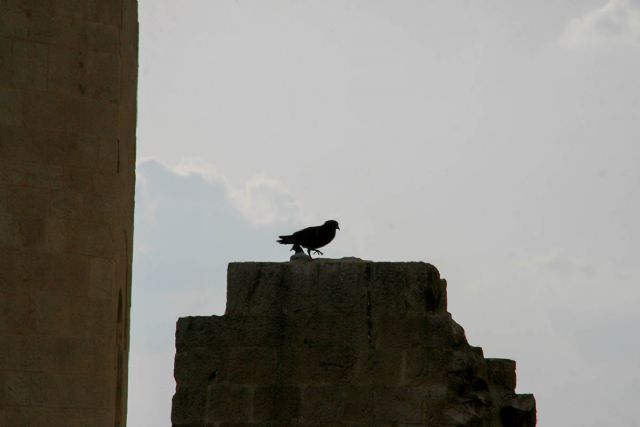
317	252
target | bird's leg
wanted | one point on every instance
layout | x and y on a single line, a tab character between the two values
309	252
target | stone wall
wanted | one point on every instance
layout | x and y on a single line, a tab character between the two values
339	343
68	77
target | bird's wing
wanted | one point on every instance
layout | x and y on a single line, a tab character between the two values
306	235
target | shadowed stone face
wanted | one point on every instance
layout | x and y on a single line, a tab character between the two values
339	342
68	84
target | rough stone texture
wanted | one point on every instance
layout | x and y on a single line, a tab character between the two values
339	343
68	77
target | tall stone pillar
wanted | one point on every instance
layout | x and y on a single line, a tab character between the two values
68	78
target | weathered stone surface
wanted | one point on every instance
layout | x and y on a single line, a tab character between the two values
339	343
68	77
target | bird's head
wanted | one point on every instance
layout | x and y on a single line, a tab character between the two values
332	224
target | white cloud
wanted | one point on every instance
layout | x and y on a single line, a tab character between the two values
201	167
616	24
266	201
263	200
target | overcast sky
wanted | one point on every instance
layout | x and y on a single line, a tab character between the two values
498	140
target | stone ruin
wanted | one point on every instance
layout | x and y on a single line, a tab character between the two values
339	343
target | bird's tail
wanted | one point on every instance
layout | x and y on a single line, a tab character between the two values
285	240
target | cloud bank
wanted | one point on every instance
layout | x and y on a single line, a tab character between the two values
616	24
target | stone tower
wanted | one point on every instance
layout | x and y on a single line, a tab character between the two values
339	343
68	78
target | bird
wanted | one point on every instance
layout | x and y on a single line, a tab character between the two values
312	238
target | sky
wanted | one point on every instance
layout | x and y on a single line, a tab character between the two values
497	140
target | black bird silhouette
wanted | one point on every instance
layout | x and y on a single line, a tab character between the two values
312	238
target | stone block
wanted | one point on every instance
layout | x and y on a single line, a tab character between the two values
425	365
91	239
70	204
97	312
108	156
106	183
17	313
69	390
404	288
14	388
30	65
15	145
21	271
199	331
11	107
502	372
51	389
339	289
58	111
26	352
228	403
68	70
79	179
105	11
43	6
520	412
58	314
97	359
102	37
13	23
189	406
3	195
324	330
28	201
252	365
75	8
322	404
254	291
14	416
31	174
400	333
381	367
6	61
66	417
65	148
334	287
102	277
70	354
318	364
7	231
30	233
104	79
82	73
275	403
201	366
93	390
130	23
248	331
60	30
359	404
398	404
